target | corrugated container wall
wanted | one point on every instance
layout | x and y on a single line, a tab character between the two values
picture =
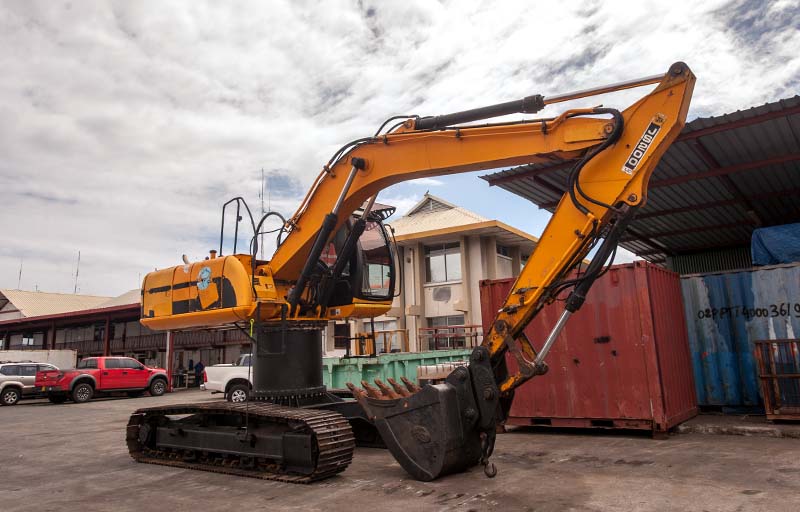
726	313
622	360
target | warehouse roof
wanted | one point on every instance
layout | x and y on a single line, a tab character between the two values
130	297
723	177
21	303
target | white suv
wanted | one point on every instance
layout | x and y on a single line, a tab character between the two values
17	380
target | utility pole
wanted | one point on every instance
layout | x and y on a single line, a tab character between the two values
19	279
77	270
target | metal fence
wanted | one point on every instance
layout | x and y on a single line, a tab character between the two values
450	337
779	373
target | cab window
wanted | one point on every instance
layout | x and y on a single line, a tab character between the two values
87	364
28	370
9	370
131	364
376	274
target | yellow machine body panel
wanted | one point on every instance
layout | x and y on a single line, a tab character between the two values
207	293
359	309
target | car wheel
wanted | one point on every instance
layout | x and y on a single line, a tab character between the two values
82	393
57	399
10	396
158	387
238	394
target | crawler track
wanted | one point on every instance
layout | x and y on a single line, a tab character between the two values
333	440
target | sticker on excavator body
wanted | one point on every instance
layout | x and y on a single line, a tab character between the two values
645	141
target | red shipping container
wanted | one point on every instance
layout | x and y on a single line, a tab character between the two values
622	361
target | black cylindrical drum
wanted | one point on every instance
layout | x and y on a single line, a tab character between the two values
288	362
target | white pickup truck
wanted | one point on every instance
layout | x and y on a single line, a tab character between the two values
231	379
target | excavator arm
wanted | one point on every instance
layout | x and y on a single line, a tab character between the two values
617	154
447	427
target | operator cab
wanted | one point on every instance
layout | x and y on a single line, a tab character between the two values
369	273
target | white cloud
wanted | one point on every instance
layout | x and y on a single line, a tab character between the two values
126	125
428	182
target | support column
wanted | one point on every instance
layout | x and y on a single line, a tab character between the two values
516	260
49	341
107	338
169	357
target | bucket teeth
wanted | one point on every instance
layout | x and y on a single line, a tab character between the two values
410	385
371	392
387	392
358	393
383	392
398	388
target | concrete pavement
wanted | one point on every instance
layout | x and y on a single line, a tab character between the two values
73	457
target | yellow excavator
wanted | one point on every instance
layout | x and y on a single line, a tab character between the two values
335	260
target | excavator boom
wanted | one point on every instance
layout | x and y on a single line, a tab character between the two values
324	265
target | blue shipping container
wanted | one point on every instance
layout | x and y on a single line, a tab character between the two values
725	313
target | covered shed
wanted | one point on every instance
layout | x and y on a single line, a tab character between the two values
724	176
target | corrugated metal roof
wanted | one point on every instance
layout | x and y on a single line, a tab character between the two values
130	297
723	177
40	303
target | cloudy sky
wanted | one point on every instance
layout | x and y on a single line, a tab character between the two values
126	125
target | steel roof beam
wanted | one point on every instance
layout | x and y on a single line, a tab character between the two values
713	204
698	249
527	173
740	123
635	236
712	163
684	231
724	171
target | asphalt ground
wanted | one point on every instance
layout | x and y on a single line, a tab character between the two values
73	458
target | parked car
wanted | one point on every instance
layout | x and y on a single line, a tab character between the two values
96	376
231	379
17	380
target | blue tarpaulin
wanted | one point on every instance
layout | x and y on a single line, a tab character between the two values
776	245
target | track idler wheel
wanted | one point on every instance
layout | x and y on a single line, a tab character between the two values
437	429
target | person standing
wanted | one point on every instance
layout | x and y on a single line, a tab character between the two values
198	373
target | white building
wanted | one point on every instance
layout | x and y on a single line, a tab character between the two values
444	251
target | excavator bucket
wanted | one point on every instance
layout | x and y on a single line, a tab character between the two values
437	429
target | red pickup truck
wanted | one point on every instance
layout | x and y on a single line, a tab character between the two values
101	375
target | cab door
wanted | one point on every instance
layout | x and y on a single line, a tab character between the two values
135	373
112	376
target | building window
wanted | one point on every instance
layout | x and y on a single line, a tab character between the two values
445	332
387	337
28	340
341	336
504	266
443	262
